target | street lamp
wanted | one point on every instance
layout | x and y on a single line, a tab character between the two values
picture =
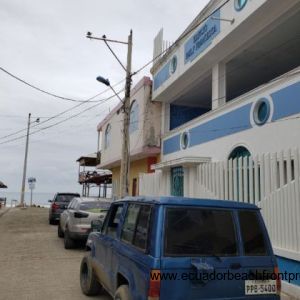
25	159
124	184
107	83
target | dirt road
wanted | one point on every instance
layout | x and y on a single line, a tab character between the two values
33	262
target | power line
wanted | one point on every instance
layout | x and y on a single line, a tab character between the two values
63	112
62	121
46	92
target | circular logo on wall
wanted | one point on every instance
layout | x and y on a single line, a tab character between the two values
185	140
173	64
240	4
261	111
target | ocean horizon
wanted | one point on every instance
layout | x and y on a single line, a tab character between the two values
38	198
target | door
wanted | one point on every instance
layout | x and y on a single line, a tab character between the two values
134	187
105	243
177	176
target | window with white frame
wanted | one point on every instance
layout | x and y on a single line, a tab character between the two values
134	117
107	136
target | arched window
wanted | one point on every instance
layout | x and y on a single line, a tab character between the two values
238	152
107	136
134	117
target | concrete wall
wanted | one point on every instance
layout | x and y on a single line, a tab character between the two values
147	134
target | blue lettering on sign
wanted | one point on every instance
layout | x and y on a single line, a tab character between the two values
202	38
161	76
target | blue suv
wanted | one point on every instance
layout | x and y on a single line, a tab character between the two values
173	248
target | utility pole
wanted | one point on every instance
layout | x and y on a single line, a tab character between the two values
125	161
25	162
125	155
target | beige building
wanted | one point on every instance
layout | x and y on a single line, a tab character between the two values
144	131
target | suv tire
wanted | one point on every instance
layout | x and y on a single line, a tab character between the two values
123	293
68	242
60	233
88	281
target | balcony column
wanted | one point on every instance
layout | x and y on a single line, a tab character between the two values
218	85
165	118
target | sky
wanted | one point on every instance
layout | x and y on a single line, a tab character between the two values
44	43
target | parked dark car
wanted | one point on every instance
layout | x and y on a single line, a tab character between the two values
177	248
59	203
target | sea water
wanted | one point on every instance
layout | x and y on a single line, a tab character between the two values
37	198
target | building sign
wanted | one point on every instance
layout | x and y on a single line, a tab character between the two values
202	38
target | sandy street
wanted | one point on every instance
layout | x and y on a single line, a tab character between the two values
33	262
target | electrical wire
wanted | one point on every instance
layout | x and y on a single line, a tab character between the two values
62	121
46	92
63	112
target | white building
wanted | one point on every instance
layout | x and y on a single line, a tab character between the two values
230	94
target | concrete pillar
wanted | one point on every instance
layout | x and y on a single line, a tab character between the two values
165	118
218	85
186	182
192	181
167	182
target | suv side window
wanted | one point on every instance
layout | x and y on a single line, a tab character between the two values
130	223
136	225
143	226
111	223
253	237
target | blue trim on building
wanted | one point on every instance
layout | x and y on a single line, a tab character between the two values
286	101
229	123
172	144
162	76
202	38
289	266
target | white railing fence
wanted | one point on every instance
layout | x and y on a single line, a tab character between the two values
151	184
271	181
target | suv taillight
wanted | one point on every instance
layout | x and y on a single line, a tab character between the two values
278	280
154	285
54	206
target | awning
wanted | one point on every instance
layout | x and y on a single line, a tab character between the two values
89	160
183	161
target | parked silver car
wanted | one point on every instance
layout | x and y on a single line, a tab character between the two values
75	221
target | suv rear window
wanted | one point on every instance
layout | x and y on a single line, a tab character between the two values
94	206
199	232
65	197
136	226
252	234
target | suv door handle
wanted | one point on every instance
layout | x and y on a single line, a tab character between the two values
235	266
